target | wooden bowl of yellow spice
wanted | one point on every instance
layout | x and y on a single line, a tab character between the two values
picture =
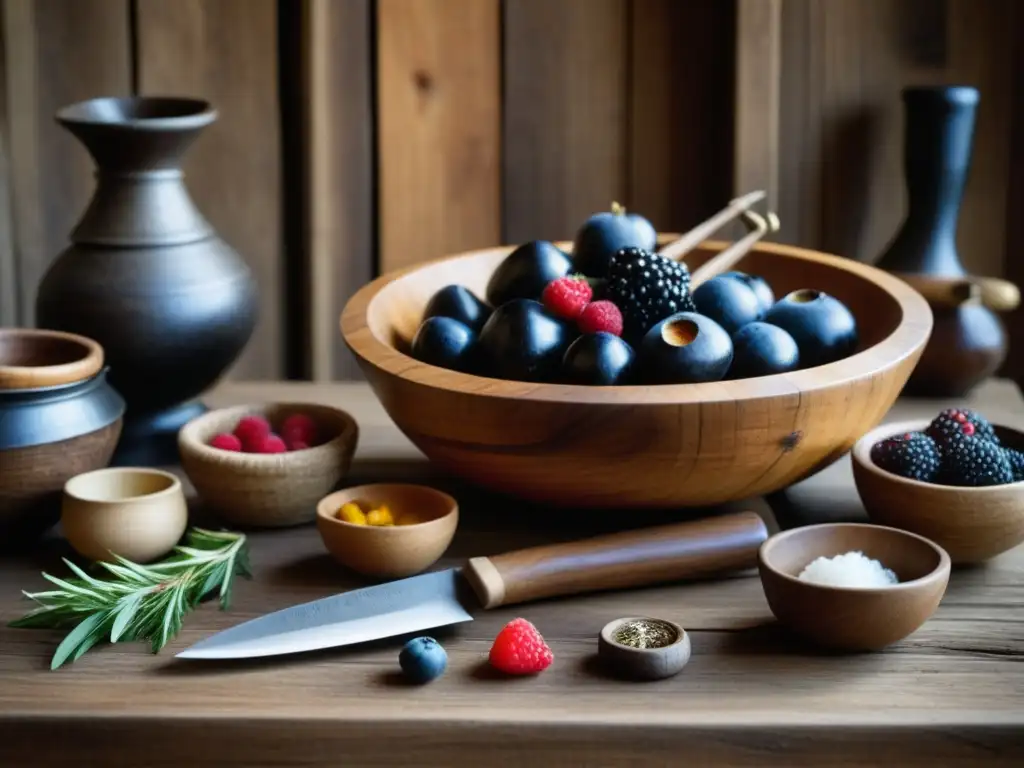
387	530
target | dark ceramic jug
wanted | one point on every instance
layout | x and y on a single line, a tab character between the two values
146	275
968	341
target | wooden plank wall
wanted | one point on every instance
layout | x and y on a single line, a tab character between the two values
357	136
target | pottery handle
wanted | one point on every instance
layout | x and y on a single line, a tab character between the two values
619	560
951	292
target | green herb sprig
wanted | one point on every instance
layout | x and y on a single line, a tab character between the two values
141	602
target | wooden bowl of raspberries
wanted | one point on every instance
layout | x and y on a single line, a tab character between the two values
267	465
957	480
586	375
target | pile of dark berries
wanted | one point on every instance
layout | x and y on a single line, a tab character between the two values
959	447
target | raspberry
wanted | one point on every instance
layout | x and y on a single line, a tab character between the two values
226	442
251	430
1016	460
519	649
271	444
297	445
299	427
600	316
974	461
567	296
913	455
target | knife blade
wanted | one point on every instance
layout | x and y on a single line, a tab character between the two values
440	598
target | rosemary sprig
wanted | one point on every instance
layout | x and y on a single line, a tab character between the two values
140	602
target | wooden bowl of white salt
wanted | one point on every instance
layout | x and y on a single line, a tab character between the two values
852	586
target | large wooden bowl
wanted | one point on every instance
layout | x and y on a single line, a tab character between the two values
682	445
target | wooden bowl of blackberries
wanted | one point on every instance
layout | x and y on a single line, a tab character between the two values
956	479
593	374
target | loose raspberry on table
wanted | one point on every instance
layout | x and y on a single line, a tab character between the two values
600	316
519	649
226	442
251	430
912	455
567	296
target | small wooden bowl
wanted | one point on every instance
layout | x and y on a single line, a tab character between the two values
389	552
972	524
134	512
670	446
853	618
31	358
267	490
654	663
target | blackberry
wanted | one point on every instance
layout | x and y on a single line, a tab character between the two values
974	461
913	455
1016	459
954	423
647	288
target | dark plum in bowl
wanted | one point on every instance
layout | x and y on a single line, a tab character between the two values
459	303
598	359
762	349
824	329
446	343
522	341
525	272
685	348
728	301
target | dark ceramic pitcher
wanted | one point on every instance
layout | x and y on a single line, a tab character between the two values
146	274
968	342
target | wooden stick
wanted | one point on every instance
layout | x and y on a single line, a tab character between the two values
728	258
951	292
679	248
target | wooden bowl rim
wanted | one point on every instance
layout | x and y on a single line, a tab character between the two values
171	490
608	630
909	336
355	490
188	438
938	574
12	377
861	453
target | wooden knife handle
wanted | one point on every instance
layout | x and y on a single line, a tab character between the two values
619	560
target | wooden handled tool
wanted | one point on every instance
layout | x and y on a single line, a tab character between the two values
619	560
951	292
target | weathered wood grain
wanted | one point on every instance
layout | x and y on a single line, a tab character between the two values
226	52
439	127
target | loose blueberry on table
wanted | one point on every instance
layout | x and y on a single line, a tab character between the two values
959	447
541	303
423	659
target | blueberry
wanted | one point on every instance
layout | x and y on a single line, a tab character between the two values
446	343
422	659
760	287
728	301
762	349
597	359
822	326
458	302
522	341
525	272
605	233
684	348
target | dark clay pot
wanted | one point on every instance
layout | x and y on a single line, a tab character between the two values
47	436
968	343
146	275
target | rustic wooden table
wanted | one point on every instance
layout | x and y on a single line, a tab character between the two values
950	695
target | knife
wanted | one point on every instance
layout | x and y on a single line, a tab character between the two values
614	561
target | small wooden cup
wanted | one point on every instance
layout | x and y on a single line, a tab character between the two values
853	618
267	490
137	513
971	524
389	552
643	663
31	358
